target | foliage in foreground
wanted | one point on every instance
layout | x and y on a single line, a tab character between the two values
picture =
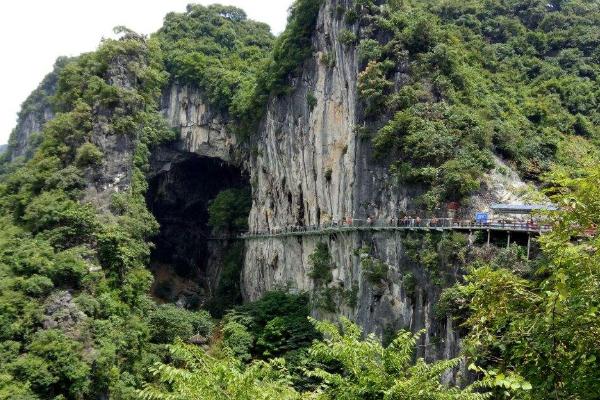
277	324
350	368
545	329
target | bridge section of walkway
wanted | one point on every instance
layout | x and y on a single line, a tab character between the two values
410	225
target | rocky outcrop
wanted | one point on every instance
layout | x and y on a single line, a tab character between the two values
61	312
311	167
115	173
35	112
201	129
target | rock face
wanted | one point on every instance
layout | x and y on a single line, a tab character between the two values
61	312
201	130
35	112
312	167
309	166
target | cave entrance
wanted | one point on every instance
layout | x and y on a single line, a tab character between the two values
186	264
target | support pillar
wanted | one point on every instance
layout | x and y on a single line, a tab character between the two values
488	240
508	241
528	244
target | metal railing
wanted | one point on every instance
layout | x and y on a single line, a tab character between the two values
439	224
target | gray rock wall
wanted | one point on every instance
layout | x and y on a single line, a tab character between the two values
36	110
312	167
201	130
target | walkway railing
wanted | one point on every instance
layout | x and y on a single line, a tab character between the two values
438	224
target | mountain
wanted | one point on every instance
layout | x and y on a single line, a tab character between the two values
134	170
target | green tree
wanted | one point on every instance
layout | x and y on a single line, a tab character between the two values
321	263
347	367
203	376
364	369
169	322
228	212
545	329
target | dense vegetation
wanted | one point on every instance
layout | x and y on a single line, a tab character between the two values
236	61
542	325
76	319
345	365
516	78
66	267
228	212
217	49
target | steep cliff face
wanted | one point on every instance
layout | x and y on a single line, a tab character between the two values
201	130
307	165
35	112
312	167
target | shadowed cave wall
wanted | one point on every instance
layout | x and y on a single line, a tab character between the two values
186	264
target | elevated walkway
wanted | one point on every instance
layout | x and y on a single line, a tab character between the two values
402	225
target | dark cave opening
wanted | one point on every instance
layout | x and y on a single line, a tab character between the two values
184	261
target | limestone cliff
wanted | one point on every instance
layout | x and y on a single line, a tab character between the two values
307	164
35	112
313	167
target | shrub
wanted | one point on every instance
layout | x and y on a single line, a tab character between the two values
37	285
369	50
238	339
325	299
278	321
88	155
409	283
311	101
347	37
373	86
328	59
320	261
351	17
53	364
169	322
374	269
228	212
351	295
66	221
453	301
